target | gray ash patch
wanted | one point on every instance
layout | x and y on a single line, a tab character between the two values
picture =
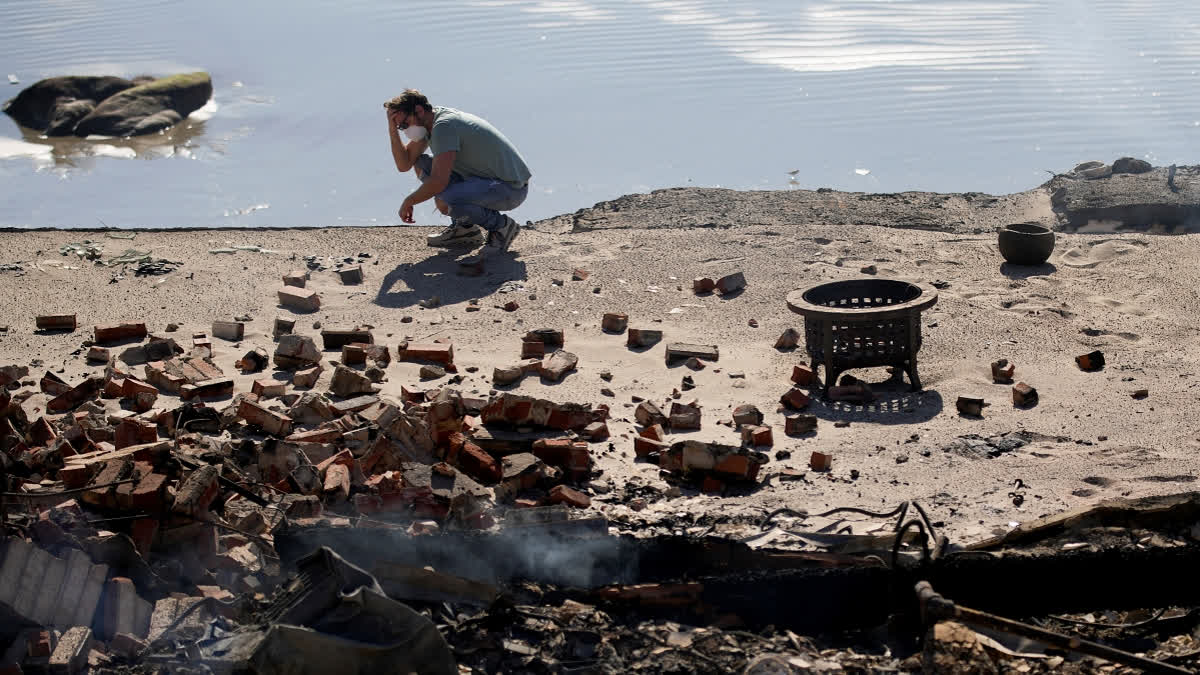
975	446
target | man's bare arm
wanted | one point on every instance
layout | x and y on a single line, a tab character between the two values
438	179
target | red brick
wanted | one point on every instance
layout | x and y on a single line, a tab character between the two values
74	476
197	492
133	431
354	354
303	299
561	494
643	446
757	435
596	431
428	351
268	388
56	322
478	464
276	424
1023	394
150	492
712	485
736	465
821	461
703	285
533	349
615	323
296	278
320	435
803	375
122	331
794	425
143	531
795	399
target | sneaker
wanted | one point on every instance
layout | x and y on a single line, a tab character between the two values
456	235
502	239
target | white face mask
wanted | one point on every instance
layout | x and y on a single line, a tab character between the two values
415	133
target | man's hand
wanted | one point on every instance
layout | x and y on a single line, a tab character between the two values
393	117
406	210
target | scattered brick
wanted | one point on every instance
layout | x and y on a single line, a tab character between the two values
234	331
821	461
119	332
757	435
614	323
643	337
561	494
796	425
439	352
703	285
1024	395
796	399
268	388
283	326
803	375
351	275
297	278
98	355
301	299
1002	371
63	322
1090	361
219	388
747	414
276	424
970	405
677	351
338	338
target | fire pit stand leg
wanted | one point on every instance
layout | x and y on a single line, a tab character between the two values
911	369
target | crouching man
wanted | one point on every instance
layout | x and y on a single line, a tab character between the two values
472	171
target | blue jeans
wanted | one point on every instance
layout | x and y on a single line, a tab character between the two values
474	200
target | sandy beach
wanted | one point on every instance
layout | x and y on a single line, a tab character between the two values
1131	295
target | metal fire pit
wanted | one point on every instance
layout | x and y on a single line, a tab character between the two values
863	323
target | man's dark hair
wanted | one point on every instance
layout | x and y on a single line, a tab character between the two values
408	102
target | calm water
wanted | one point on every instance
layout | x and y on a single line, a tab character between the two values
602	98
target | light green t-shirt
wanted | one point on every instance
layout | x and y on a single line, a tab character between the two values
482	150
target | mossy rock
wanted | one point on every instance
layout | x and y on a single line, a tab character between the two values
147	108
37	105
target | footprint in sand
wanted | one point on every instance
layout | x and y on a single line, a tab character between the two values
1120	306
1095	254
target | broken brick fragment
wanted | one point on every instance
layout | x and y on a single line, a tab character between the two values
796	399
703	285
119	332
1090	361
1024	395
596	431
1002	371
795	425
803	375
614	322
643	337
197	492
747	414
438	352
561	494
970	405
299	299
821	461
757	435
